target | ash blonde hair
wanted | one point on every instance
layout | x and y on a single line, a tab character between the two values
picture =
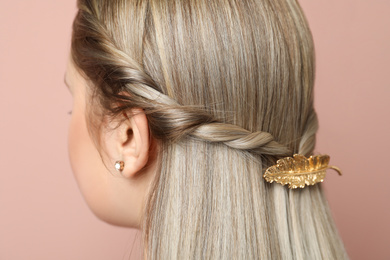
227	86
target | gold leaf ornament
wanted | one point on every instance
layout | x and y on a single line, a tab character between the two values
298	171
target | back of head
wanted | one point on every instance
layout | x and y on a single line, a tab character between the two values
227	87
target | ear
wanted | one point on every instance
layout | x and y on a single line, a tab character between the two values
130	142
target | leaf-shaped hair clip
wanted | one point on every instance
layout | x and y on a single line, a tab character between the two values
299	170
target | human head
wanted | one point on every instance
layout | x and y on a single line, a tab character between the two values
227	89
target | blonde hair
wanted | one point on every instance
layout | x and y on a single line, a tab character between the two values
227	86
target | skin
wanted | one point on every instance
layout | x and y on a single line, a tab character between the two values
115	197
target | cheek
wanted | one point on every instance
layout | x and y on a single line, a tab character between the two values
78	146
87	166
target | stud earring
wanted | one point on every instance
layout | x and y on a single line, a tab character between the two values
119	166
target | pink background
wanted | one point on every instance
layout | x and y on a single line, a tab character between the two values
42	213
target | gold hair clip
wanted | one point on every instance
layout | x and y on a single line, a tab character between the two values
299	171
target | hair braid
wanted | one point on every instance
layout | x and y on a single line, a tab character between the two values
308	140
239	138
124	80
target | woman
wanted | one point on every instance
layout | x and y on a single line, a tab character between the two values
179	108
